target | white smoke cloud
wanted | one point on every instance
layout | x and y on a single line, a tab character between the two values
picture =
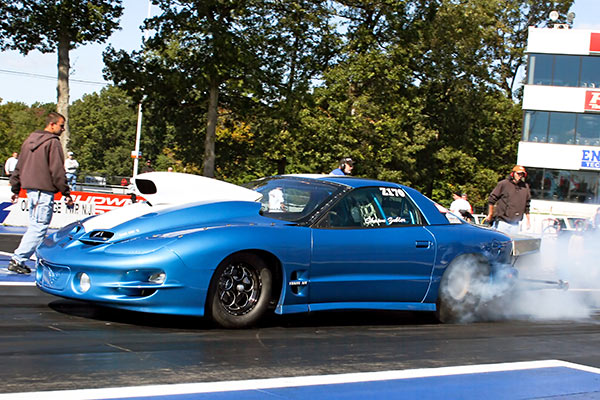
540	293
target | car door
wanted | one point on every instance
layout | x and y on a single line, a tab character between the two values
371	247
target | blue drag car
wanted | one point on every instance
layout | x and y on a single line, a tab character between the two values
283	244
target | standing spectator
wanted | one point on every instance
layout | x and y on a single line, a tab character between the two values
71	167
464	196
170	169
40	171
509	201
11	164
147	167
596	219
345	168
461	207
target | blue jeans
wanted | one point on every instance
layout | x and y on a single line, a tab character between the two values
507	228
71	180
41	204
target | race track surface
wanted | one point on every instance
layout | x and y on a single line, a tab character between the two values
52	344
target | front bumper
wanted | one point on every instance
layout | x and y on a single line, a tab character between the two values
132	283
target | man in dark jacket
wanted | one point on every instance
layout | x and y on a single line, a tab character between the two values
41	172
509	201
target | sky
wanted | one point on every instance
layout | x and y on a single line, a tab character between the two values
32	78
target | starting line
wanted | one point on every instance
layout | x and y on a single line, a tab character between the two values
520	380
8	278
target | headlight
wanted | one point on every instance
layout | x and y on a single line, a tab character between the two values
84	282
158	278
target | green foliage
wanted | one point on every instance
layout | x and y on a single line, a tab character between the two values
103	130
50	26
27	25
260	55
17	121
421	92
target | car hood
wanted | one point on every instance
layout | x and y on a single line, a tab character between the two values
165	190
173	220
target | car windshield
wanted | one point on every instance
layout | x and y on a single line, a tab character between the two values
292	199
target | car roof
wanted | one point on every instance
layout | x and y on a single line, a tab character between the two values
350	181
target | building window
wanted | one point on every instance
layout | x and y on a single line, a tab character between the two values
588	129
540	69
566	71
561	128
563	70
536	126
561	185
590	72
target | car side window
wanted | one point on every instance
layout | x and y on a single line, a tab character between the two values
373	207
399	209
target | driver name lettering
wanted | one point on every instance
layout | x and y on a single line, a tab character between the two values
391	192
373	221
396	220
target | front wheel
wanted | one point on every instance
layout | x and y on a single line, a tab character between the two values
240	290
461	289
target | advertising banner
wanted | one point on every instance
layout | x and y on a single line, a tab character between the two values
592	100
86	204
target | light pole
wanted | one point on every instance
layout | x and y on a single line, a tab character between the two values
138	133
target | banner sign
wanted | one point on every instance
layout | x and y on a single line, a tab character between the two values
85	204
590	159
592	100
595	42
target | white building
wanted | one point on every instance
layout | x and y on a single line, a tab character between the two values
560	143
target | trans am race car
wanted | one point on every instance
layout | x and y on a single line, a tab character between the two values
285	244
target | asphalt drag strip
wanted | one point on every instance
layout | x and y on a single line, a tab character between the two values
492	380
520	380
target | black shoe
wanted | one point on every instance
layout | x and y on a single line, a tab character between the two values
17	267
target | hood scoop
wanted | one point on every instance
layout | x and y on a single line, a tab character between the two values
97	237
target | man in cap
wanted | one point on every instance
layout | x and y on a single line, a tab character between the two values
345	168
509	201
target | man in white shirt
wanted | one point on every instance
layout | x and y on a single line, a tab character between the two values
71	166
460	206
11	164
276	202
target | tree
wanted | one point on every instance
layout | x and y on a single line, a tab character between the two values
57	26
247	57
17	121
469	58
104	126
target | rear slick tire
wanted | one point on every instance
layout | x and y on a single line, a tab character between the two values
240	291
461	288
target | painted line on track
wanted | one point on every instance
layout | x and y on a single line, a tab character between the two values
8	278
17	283
448	382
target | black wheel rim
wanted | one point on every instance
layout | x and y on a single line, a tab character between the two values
239	288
